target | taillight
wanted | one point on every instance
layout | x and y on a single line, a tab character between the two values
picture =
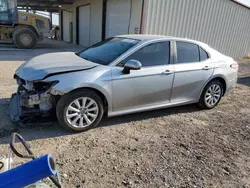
234	65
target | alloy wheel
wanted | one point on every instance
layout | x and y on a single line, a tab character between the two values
82	112
213	95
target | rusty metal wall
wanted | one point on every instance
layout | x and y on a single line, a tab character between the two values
223	24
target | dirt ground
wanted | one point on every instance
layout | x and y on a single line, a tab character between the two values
176	147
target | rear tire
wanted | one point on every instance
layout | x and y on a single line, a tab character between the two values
24	38
81	117
211	95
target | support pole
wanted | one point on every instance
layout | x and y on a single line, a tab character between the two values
51	19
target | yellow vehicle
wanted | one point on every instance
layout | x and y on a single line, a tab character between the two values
42	23
24	29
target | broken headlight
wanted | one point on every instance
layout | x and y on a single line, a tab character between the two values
42	86
38	96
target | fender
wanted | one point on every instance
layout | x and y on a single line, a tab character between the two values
32	27
104	92
69	82
211	78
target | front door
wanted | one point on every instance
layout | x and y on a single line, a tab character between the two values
149	86
193	69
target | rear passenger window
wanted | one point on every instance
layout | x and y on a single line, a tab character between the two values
203	55
187	52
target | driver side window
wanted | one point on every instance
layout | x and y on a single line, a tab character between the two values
3	5
151	55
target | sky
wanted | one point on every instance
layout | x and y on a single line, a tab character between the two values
245	1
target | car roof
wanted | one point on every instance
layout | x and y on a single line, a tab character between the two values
145	38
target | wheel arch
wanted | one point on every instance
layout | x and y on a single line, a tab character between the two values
31	27
67	97
104	98
221	78
223	81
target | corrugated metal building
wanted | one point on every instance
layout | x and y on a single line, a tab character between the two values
223	24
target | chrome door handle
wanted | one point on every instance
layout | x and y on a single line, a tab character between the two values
167	72
206	68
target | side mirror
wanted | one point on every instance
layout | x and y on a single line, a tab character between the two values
131	65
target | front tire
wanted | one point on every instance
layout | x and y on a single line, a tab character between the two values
24	38
80	110
211	95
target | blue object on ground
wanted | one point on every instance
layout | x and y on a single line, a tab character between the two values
28	173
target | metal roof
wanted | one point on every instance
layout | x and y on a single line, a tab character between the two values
42	5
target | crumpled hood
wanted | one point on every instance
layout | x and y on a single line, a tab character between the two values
49	64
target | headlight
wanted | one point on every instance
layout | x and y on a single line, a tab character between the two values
42	86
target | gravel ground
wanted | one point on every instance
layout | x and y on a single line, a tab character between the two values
177	147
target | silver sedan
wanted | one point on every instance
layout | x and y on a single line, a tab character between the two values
121	75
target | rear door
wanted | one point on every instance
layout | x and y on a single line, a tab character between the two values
193	68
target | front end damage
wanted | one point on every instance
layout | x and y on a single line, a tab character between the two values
32	99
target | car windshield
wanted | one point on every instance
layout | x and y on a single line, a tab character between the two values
107	51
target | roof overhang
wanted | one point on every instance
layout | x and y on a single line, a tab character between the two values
242	3
43	5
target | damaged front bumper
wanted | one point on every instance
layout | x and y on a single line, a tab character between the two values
31	101
19	113
15	108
